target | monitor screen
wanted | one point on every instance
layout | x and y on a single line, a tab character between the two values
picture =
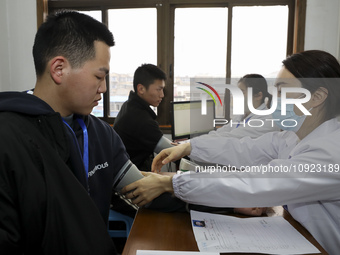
188	120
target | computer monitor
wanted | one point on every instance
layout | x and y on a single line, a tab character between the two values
187	119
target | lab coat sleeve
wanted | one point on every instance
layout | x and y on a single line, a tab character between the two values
289	181
222	131
227	150
245	189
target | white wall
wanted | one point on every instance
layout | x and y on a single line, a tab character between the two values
322	26
18	25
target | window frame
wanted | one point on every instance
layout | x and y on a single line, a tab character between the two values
165	33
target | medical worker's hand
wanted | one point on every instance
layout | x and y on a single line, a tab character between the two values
145	190
170	155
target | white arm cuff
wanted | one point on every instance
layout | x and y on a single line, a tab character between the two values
129	173
162	144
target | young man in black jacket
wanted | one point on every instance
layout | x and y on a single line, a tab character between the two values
136	122
57	162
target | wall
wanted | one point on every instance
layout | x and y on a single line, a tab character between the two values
322	26
18	26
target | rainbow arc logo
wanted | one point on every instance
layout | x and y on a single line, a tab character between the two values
209	93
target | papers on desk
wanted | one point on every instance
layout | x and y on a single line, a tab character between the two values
221	233
145	252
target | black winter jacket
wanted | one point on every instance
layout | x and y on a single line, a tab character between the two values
137	126
45	207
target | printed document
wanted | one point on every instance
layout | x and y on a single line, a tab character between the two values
221	233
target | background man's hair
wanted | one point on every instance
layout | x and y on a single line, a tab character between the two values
259	84
146	74
69	34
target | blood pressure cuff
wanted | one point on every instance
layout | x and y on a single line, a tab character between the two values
162	144
129	173
166	202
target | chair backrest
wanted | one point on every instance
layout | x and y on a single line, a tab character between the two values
116	216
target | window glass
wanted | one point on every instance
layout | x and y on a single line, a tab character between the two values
135	33
259	40
258	45
200	47
94	14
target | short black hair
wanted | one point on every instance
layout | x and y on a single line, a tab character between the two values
146	74
259	84
70	34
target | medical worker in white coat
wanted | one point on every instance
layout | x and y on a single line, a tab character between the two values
298	167
250	124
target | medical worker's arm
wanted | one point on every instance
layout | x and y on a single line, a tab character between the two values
153	185
222	150
234	151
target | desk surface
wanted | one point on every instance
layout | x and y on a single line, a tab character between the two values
154	230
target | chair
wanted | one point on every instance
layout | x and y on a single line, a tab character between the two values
116	216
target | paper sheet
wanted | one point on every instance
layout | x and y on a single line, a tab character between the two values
221	233
146	252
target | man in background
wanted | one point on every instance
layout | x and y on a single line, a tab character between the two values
136	122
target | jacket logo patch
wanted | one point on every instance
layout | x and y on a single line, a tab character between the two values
98	167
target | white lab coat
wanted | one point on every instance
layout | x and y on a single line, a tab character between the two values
249	126
313	199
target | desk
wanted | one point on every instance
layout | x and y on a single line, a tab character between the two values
154	230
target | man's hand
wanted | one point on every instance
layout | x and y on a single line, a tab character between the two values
143	191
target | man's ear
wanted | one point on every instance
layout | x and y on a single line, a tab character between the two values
57	67
319	96
140	89
259	96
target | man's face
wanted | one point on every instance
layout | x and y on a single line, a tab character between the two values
244	89
154	94
83	86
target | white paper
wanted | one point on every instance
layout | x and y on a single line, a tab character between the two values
270	235
146	252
